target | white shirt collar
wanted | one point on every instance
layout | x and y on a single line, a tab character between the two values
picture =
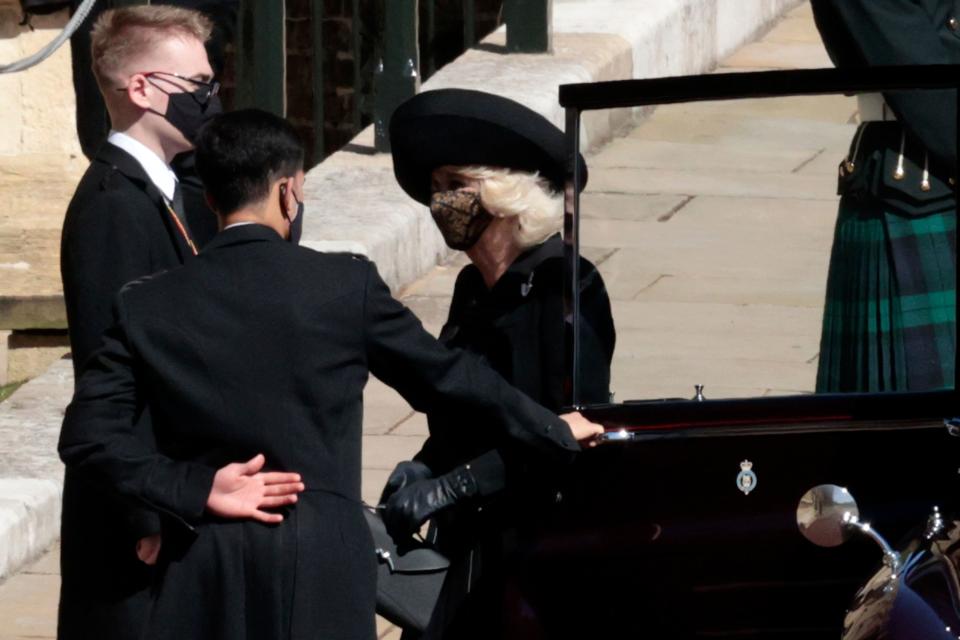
239	224
159	172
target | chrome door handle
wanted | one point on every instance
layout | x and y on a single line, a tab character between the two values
621	435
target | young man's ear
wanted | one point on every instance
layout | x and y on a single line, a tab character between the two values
136	89
285	208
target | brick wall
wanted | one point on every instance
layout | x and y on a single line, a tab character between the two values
341	99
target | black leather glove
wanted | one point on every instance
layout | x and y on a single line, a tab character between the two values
404	474
416	503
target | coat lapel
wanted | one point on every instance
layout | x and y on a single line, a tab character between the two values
122	162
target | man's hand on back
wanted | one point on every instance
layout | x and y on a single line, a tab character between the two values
240	490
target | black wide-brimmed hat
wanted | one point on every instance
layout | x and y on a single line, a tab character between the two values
461	127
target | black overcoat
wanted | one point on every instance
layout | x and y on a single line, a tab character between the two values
259	346
518	328
860	33
117	228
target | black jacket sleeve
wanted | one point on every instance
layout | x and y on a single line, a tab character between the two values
98	436
597	340
432	377
106	246
896	32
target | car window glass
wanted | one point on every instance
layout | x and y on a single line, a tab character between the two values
712	225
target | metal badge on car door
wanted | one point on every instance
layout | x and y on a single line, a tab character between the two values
746	479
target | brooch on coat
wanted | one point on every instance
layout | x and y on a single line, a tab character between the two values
525	287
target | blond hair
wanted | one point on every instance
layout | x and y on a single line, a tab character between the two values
530	198
119	35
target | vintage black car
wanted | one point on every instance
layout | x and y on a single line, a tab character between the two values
684	523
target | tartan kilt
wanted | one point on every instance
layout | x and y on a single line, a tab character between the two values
889	321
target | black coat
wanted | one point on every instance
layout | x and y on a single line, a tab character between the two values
117	228
517	327
858	33
258	346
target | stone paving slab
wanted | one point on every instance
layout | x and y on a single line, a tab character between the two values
739	289
689	318
415	425
30	471
770	55
794	28
675	376
793	347
822	108
686	156
27	608
727	130
30	425
730	183
383	452
617	206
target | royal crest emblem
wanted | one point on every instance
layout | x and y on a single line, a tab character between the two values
746	479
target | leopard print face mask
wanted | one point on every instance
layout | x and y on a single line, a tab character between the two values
460	217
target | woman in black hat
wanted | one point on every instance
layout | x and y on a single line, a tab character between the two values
493	174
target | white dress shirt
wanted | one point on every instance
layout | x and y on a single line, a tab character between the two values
239	224
159	172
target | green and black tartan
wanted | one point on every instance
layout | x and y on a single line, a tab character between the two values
889	321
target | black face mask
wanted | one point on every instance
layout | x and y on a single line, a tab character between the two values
187	112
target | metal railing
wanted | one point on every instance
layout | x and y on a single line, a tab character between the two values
397	76
261	59
528	25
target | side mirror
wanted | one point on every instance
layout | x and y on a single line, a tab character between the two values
828	516
824	514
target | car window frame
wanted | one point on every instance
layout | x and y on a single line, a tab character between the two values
693	418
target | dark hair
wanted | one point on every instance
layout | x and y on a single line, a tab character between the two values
240	153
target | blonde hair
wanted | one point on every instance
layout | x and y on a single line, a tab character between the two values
118	35
531	199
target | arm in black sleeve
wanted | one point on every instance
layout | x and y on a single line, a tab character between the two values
901	32
431	377
597	343
106	247
98	437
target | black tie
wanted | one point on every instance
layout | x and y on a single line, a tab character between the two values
177	205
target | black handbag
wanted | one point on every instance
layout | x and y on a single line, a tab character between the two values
408	584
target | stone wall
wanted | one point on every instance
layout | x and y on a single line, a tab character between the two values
37	106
